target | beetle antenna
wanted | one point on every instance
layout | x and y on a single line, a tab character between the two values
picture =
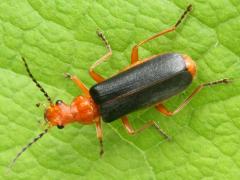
35	81
189	8
28	146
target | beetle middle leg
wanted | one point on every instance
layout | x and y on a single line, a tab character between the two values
97	77
131	131
134	56
165	111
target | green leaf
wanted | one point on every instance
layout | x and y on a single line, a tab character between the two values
60	36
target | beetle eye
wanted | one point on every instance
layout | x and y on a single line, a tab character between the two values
60	126
58	102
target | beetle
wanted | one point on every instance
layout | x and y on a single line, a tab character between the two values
147	82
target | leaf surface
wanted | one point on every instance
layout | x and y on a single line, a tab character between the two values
60	36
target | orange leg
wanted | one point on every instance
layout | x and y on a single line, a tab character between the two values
131	131
134	56
165	111
100	135
97	77
79	83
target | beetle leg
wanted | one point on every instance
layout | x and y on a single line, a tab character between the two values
97	77
78	82
131	131
100	135
134	56
165	111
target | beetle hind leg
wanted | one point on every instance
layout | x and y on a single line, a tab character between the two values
97	77
131	131
161	108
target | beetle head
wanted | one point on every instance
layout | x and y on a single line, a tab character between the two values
58	114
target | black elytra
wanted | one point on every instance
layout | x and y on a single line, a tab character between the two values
140	86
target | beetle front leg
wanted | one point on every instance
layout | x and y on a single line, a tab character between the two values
78	82
100	136
161	108
131	131
134	56
97	77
